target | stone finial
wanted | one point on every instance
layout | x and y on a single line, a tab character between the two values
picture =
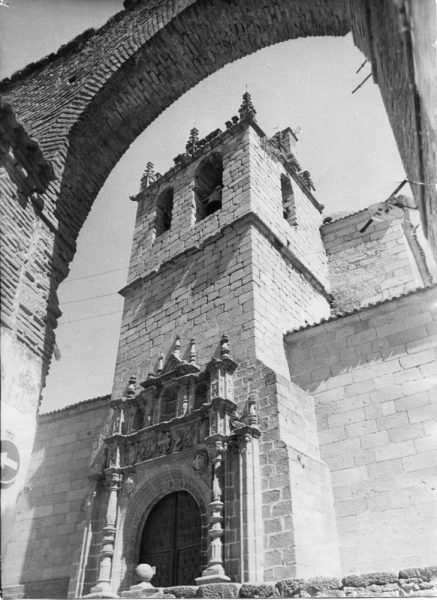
193	351
177	347
131	386
252	416
193	141
145	572
293	162
306	176
224	346
247	110
144	589
148	176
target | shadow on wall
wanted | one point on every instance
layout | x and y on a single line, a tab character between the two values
365	339
55	512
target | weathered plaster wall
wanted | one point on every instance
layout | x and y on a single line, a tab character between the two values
373	376
50	509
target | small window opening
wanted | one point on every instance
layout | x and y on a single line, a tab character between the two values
164	211
208	186
288	206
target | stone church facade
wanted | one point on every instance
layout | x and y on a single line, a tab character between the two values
272	415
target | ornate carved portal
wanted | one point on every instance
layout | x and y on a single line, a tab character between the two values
171	540
181	409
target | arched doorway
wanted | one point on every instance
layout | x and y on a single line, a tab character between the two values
171	540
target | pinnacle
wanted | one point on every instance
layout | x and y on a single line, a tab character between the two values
247	109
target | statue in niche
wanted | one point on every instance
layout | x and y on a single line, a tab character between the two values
132	454
203	430
148	449
178	440
168	404
164	443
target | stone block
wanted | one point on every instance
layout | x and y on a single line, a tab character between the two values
260	590
417	359
287	588
349	507
219	590
408	432
317	586
395	450
182	591
368	579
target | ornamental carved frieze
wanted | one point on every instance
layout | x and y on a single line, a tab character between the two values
178	407
155	441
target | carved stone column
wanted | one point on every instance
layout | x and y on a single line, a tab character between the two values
214	572
221	408
102	589
251	523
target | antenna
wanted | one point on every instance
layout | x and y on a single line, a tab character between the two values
390	209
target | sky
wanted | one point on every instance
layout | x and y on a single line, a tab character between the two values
346	143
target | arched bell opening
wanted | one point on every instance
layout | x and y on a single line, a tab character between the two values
164	211
288	204
172	540
208	186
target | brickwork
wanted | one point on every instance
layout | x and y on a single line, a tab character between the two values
50	510
374	265
373	378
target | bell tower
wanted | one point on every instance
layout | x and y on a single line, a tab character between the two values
226	257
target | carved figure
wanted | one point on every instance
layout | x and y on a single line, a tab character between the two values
164	442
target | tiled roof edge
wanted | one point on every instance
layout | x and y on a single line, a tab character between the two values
70	406
352	214
354	311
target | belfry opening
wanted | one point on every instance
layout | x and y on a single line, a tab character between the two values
171	540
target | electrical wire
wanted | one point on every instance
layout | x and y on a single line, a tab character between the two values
95	274
88	318
89	298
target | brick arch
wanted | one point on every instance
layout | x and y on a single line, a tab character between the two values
86	104
162	481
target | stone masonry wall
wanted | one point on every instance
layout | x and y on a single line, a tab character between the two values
200	279
302	239
370	266
50	508
185	234
415	582
373	375
201	295
81	108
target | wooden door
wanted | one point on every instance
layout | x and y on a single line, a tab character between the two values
171	540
